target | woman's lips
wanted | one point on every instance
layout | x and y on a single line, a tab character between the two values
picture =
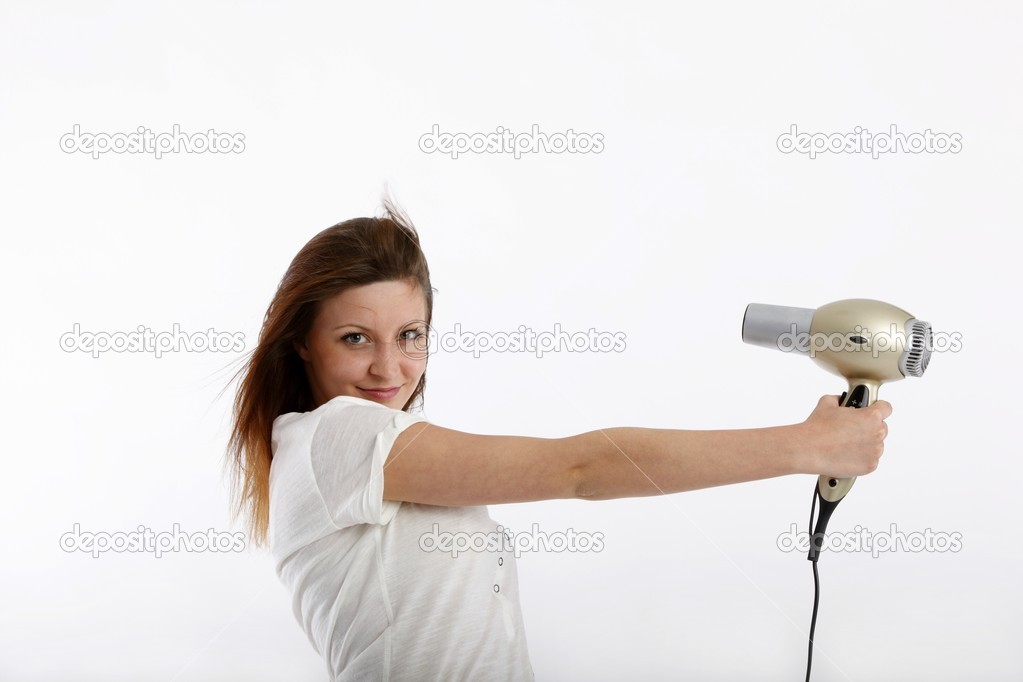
381	395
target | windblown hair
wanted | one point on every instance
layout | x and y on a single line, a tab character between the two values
352	253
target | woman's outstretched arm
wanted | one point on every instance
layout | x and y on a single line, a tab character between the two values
433	465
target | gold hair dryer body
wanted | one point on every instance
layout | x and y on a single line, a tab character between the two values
865	341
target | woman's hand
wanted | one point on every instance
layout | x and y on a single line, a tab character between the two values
843	441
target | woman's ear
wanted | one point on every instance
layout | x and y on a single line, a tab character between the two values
301	348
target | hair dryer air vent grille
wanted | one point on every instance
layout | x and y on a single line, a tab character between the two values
918	348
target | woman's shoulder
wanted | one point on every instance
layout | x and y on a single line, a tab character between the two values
332	407
333	402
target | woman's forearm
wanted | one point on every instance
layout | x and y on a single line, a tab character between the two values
633	462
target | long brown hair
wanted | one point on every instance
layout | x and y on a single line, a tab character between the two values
350	254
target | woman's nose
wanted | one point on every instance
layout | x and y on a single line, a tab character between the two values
386	358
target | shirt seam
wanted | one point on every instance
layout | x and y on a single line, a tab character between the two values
316	483
386	597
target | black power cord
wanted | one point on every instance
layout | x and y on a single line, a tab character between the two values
816	591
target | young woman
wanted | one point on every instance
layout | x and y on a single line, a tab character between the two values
333	467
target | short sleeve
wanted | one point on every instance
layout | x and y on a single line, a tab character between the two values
350	445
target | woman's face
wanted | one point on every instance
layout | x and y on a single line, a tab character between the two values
366	338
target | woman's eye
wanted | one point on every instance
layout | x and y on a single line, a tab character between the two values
359	339
347	338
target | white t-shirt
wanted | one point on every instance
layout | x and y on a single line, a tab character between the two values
372	601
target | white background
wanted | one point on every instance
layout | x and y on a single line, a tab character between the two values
689	213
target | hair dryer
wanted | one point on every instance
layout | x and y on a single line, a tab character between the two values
866	341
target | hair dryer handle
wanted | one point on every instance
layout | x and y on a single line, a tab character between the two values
832	490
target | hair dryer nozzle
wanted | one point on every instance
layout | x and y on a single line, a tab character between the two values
917	355
778	327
